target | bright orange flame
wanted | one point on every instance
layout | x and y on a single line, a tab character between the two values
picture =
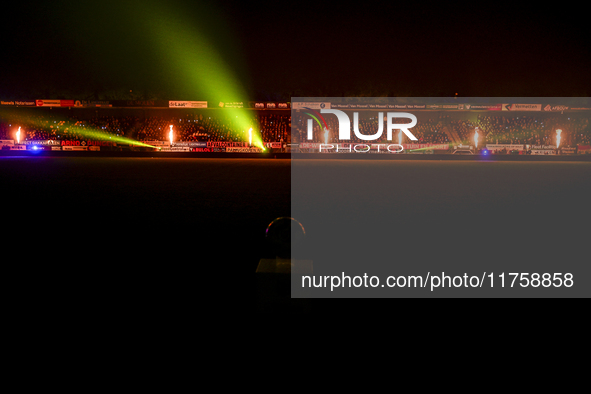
558	138
170	135
18	135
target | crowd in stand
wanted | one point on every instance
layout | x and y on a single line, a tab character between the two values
277	126
199	127
525	130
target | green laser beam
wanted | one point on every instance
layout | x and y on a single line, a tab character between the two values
191	59
92	133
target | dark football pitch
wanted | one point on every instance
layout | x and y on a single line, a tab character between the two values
178	233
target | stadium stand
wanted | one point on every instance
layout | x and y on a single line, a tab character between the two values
526	129
277	126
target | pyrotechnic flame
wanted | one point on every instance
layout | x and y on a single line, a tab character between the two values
250	136
558	132
18	135
476	137
170	135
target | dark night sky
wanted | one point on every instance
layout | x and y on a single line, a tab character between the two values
66	49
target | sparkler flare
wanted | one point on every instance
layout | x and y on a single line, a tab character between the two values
326	136
170	135
558	138
476	137
250	136
18	135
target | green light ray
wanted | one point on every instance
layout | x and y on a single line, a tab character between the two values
92	133
191	59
